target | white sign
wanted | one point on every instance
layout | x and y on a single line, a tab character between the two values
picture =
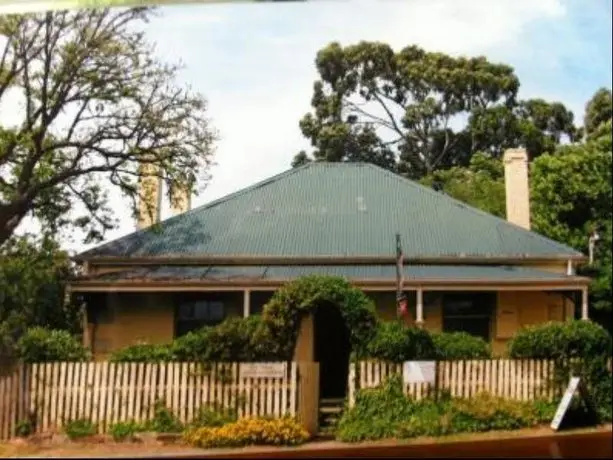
419	371
565	403
263	370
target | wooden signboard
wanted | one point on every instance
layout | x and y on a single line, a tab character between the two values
573	385
263	370
419	371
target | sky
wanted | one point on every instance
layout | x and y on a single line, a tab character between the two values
255	64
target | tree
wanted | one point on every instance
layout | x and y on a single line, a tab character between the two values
598	111
571	197
415	111
481	184
33	277
98	106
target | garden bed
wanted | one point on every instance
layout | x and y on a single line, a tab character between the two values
152	447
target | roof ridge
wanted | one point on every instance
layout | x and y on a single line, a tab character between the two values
468	207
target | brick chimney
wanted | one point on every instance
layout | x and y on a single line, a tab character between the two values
150	191
517	187
182	200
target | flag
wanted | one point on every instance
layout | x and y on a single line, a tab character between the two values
400	297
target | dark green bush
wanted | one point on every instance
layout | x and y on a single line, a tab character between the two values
24	428
143	352
80	428
124	431
386	412
38	344
211	416
378	413
163	421
560	341
460	345
579	348
395	342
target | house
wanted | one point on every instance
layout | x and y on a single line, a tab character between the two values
464	270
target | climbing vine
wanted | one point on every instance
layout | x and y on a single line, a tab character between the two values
285	310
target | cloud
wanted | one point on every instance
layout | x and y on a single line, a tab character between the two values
255	63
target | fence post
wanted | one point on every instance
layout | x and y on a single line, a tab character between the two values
308	395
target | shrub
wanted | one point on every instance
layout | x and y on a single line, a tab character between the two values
395	342
209	416
122	431
143	352
460	345
80	428
24	428
377	413
561	341
385	412
580	348
249	431
38	344
239	339
164	421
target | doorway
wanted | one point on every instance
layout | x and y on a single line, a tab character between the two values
332	350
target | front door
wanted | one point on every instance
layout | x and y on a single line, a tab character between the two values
332	350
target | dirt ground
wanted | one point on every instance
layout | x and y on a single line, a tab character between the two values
20	448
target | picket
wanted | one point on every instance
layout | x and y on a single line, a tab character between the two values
511	379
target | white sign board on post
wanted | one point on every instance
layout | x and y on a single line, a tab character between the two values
263	370
419	371
565	402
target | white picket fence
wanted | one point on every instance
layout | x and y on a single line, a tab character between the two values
106	393
511	379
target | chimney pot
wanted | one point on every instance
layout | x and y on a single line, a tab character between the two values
150	196
181	201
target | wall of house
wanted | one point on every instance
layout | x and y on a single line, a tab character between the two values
123	319
514	309
517	309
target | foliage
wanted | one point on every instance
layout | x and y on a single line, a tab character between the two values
395	342
143	352
598	110
249	431
33	277
235	339
377	413
123	431
283	313
386	412
560	341
163	421
79	428
211	416
99	103
460	345
24	428
579	348
480	185
38	345
400	110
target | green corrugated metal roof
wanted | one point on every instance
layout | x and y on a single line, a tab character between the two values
335	209
357	272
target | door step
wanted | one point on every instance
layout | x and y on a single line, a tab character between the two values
330	411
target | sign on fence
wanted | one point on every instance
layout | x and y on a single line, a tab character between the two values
419	371
263	370
565	402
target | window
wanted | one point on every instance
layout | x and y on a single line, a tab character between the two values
194	315
468	312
